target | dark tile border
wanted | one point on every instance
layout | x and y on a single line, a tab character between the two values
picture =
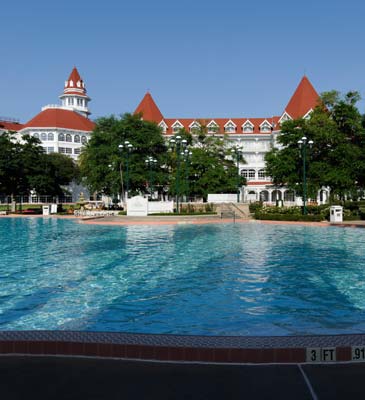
217	349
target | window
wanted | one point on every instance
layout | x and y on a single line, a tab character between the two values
77	151
50	150
251	174
50	136
247	128
230	128
176	127
83	139
65	150
68	138
212	127
61	137
261	174
194	128
77	139
71	83
266	127
44	136
244	173
36	135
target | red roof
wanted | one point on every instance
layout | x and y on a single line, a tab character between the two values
256	122
11	126
304	99
149	110
59	118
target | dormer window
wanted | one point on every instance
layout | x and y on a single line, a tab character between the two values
163	126
230	127
265	127
212	127
195	127
71	83
247	127
176	127
78	84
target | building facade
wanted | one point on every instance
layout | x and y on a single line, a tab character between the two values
62	128
254	136
65	128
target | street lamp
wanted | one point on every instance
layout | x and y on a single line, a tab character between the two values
178	145
151	162
187	157
237	152
303	143
126	148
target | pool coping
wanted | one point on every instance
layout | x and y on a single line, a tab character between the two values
186	348
186	220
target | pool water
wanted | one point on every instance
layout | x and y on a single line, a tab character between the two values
220	279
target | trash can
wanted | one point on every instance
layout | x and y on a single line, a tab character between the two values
45	210
336	214
53	208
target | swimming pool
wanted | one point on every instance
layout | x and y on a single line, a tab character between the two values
223	279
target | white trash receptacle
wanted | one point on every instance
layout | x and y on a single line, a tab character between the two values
336	214
45	210
53	208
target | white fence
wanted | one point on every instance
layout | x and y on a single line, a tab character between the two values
91	213
222	198
155	207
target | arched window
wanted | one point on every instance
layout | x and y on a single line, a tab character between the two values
261	174
77	138
251	174
230	128
265	127
44	136
83	139
61	137
264	195
50	136
68	138
36	135
247	127
244	173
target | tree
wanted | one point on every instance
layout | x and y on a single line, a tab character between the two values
103	151
24	167
336	159
211	168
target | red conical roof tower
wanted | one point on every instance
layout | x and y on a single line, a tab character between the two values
304	99
74	94
149	110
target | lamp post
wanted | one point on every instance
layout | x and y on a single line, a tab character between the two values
303	143
126	148
187	157
178	145
237	152
151	162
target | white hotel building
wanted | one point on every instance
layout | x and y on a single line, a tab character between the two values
65	128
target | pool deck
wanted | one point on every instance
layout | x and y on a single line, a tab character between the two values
184	220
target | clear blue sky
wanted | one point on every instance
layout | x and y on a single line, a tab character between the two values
198	58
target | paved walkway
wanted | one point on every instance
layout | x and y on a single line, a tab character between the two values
89	378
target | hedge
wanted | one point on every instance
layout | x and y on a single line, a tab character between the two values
288	217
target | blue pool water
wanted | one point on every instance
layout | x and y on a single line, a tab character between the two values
242	279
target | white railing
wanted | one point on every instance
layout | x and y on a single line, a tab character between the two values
101	213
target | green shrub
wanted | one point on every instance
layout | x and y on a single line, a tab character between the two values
253	207
288	217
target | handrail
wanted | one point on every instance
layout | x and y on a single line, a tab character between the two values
232	213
